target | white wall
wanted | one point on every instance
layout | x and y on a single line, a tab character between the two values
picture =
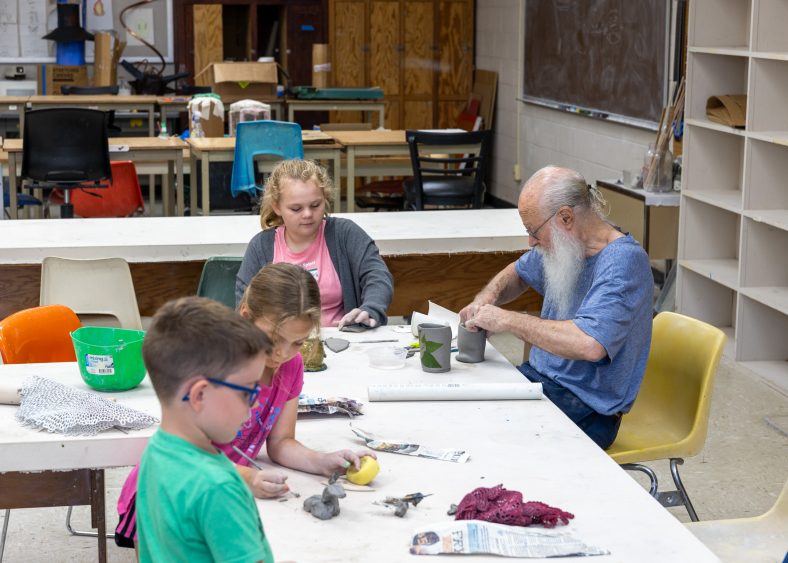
594	147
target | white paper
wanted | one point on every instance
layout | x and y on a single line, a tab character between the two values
406	447
140	20
439	315
455	392
9	31
32	27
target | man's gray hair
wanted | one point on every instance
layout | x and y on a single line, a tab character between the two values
563	186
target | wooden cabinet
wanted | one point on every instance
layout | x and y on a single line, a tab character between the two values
733	231
209	31
419	51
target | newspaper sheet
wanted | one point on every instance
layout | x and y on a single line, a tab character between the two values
329	405
479	537
408	448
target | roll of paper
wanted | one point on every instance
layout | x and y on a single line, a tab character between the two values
9	391
456	392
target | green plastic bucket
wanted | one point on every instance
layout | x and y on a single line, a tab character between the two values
110	359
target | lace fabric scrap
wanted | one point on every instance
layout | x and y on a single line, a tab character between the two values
54	407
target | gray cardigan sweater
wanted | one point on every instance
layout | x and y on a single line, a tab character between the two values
366	281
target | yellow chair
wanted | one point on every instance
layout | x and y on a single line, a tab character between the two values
759	539
670	417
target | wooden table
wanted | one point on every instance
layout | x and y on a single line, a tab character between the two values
447	256
367	106
137	149
222	149
104	102
529	446
651	218
15	104
359	144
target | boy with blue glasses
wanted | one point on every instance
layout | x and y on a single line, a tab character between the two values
205	362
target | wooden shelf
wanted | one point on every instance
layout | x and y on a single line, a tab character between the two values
774	297
724	272
733	231
728	200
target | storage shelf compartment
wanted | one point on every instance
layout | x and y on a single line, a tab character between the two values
765	264
730	200
761	332
710	240
706	124
770	26
774	373
767	107
774	297
724	272
720	23
713	165
734	51
774	217
766	176
708	301
713	75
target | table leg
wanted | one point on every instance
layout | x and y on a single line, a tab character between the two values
206	185
290	113
351	179
337	179
12	187
382	113
98	515
166	194
179	201
151	121
192	183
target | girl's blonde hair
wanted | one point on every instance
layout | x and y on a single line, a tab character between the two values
294	169
280	292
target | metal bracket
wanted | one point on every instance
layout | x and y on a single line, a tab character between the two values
669	499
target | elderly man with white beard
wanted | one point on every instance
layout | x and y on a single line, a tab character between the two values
591	342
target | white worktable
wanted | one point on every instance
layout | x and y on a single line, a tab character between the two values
526	445
166	239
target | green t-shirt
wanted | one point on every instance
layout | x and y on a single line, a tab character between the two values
193	506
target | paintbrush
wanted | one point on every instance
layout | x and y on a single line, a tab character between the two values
257	466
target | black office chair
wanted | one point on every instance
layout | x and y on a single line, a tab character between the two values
66	148
447	180
113	129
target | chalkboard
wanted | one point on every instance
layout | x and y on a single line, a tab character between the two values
603	58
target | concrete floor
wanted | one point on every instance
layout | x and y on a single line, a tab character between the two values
739	473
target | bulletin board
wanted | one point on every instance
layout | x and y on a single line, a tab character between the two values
23	23
606	58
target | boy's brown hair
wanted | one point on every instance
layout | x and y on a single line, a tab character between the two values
196	336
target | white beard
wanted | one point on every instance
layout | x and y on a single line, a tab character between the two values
563	264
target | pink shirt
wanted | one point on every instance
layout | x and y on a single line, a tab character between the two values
317	261
287	384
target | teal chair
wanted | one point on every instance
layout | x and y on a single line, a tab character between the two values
217	280
253	138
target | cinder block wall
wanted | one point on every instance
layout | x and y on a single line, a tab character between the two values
596	148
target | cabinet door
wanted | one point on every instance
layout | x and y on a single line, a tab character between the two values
304	27
348	38
418	73
208	40
455	71
384	55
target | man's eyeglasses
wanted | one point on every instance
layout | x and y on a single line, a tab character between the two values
536	230
252	392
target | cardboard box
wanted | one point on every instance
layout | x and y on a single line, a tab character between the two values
249	80
52	77
321	66
105	69
211	116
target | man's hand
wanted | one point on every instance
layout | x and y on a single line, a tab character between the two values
357	316
470	311
488	317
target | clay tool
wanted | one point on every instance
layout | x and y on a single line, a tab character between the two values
257	466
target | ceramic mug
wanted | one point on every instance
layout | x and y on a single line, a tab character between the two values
471	345
435	347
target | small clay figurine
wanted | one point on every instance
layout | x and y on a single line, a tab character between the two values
401	504
326	506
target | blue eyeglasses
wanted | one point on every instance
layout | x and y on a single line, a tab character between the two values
252	392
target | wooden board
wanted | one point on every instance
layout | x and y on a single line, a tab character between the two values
451	279
208	40
456	48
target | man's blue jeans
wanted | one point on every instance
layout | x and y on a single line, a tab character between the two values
601	428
